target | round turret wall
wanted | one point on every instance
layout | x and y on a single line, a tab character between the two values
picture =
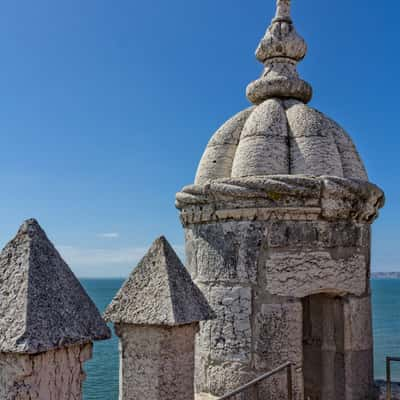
284	262
257	275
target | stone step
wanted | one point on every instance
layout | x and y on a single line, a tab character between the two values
205	396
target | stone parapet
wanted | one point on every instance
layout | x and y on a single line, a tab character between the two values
55	374
157	363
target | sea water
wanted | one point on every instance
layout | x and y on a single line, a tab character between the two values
102	370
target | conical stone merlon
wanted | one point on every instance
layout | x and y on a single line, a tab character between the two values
159	291
42	304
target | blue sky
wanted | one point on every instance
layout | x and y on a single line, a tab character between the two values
106	108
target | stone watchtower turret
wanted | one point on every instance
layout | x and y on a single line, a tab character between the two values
277	229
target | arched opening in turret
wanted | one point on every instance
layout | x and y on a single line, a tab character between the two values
323	347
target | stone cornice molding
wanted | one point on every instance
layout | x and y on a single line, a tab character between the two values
284	196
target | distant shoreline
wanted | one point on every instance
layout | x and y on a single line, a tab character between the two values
374	275
385	275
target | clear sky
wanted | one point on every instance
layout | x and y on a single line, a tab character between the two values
106	107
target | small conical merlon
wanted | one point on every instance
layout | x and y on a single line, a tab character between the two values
42	304
159	291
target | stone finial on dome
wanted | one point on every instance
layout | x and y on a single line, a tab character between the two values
280	50
283	10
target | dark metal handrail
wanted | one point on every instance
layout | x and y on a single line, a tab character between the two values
255	382
389	377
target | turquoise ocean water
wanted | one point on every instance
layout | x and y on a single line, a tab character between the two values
102	370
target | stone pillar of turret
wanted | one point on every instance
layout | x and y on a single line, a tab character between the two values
277	229
47	321
156	315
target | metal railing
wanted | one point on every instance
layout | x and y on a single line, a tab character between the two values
254	383
389	360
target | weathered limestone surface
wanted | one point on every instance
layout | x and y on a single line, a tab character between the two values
359	374
258	247
222	148
225	377
47	321
42	304
281	134
358	347
156	315
55	374
230	334
254	275
265	130
277	337
358	324
279	137
277	228
280	50
158	292
270	347
323	347
259	243
290	273
213	258
205	396
156	362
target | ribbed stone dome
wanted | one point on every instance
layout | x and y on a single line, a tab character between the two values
280	134
280	137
